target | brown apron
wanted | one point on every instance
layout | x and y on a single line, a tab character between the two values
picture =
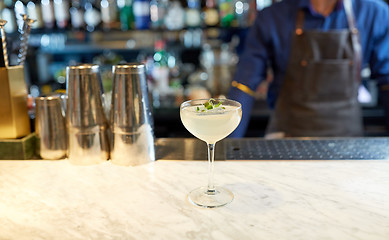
319	94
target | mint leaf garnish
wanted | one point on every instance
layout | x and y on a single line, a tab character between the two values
211	105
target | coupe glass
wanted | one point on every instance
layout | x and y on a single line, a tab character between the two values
211	120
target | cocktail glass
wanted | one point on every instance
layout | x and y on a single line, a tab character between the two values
211	120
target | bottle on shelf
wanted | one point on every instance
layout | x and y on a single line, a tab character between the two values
92	15
192	14
34	11
8	14
48	14
210	13
242	12
226	13
175	16
160	70
19	9
126	14
261	4
158	10
62	13
109	14
160	74
77	15
142	14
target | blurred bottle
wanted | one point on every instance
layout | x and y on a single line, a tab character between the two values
127	20
192	14
109	14
226	13
92	15
175	17
210	14
62	13
242	11
158	10
160	72
77	15
219	63
142	14
261	4
48	14
34	11
19	9
8	14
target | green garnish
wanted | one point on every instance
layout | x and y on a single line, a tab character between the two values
209	105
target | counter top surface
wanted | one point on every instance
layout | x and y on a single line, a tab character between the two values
273	200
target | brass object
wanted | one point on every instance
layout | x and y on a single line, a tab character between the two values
14	119
4	53
243	88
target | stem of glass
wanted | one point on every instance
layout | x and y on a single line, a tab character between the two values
211	157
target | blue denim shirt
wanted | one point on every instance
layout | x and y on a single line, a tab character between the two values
269	40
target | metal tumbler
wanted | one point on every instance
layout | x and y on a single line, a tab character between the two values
50	127
87	123
132	136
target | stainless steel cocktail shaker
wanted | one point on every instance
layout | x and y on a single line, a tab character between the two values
50	127
87	124
131	122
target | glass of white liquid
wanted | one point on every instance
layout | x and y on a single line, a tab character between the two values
211	120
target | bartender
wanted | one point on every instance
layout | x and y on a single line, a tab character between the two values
316	49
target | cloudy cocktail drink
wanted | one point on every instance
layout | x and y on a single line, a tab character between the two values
211	125
211	120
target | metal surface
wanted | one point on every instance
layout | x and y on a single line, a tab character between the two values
281	149
25	35
130	121
86	120
186	149
14	118
50	127
3	45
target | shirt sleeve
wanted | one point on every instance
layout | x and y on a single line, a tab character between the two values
251	70
379	61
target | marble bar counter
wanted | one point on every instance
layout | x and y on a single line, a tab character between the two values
278	199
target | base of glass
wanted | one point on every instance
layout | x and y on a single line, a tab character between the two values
210	198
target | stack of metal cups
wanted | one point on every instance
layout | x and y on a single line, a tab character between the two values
132	137
86	121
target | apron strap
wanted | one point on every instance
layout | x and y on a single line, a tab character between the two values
354	37
299	22
349	14
353	30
